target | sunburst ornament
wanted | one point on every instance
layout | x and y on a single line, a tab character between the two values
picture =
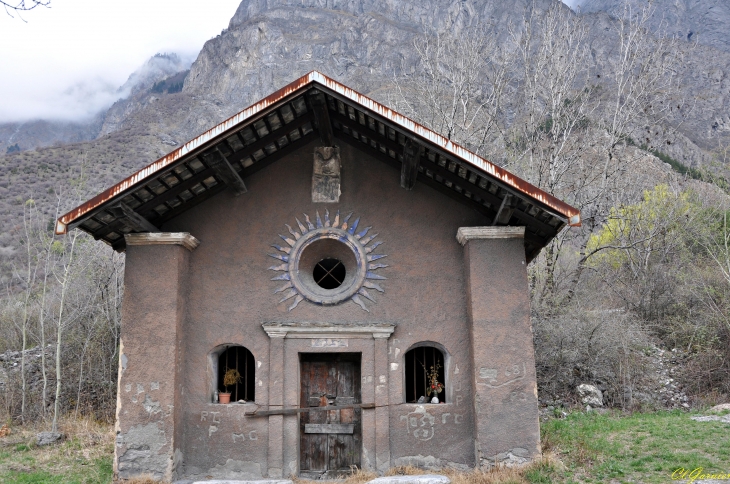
328	262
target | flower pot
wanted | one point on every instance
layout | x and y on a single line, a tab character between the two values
224	398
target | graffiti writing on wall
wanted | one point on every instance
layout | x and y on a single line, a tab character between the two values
214	419
422	425
495	377
251	435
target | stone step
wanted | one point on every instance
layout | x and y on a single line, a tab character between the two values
419	479
233	481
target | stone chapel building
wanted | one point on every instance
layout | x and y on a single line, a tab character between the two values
344	260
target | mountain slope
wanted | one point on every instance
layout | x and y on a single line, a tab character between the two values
362	43
25	135
704	21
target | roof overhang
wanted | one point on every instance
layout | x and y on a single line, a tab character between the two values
282	122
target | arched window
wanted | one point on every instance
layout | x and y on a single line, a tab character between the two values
425	374
242	360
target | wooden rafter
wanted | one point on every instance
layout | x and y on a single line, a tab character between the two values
322	117
412	153
505	211
222	167
444	173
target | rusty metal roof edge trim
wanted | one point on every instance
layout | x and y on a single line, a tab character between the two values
156	166
571	213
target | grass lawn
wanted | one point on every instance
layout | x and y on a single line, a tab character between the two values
582	448
642	447
84	458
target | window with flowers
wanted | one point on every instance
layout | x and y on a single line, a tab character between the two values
425	375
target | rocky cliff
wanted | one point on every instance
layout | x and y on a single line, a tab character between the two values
704	21
362	43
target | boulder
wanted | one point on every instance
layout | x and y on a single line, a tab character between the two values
48	438
590	395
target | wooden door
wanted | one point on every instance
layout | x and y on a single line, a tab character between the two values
330	439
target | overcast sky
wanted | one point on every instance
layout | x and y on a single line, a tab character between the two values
68	61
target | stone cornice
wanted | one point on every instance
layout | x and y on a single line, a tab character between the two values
163	238
318	330
465	234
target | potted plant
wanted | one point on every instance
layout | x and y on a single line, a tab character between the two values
434	386
231	377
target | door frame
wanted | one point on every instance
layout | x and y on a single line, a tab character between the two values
286	341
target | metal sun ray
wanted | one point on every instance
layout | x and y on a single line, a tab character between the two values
296	302
356	299
344	222
372	285
302	228
293	232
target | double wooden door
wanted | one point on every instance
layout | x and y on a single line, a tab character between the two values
330	438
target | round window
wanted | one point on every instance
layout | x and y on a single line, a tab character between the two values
328	263
329	273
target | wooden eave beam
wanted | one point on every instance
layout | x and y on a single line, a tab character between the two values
176	190
412	153
261	143
210	192
216	161
140	223
248	171
505	210
439	187
322	118
126	216
441	171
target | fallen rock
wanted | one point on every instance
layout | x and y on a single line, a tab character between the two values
720	408
48	438
590	395
422	479
712	418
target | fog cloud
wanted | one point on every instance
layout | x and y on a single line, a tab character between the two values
70	61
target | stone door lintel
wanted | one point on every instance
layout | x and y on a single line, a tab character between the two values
303	330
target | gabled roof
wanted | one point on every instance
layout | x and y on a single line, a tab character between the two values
291	117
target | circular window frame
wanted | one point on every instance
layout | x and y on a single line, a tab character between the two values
315	293
328	239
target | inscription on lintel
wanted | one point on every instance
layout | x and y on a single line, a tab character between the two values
329	343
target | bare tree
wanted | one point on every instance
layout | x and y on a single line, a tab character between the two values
46	242
552	101
28	278
64	281
458	88
638	86
23	5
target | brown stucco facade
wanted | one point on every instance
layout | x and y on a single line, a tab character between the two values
467	296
